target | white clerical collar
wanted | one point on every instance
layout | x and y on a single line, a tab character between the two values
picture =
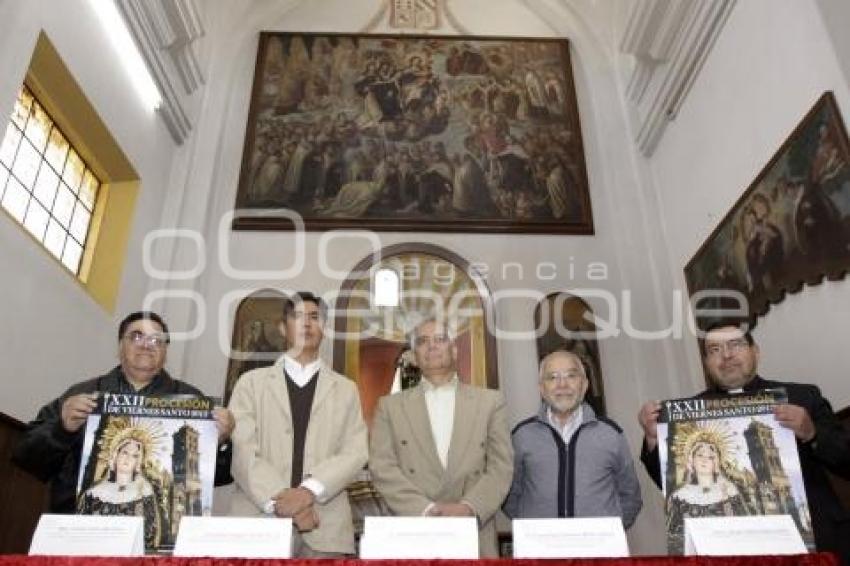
451	383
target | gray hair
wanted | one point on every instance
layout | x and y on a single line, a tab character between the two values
582	362
444	322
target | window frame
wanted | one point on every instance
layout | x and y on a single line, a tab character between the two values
73	180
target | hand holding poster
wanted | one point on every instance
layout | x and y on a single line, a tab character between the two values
149	456
728	456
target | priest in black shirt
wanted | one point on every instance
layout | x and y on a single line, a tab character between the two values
731	359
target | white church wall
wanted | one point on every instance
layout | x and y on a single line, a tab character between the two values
54	333
617	212
190	188
769	65
627	228
835	15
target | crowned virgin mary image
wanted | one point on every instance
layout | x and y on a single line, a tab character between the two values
707	487
127	480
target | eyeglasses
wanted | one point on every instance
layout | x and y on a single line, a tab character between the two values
572	375
150	340
732	346
437	339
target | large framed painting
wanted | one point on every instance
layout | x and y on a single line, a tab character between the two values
791	226
413	133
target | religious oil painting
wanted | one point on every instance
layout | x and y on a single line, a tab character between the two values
413	133
257	340
791	226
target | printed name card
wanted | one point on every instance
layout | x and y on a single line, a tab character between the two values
89	535
569	538
419	537
762	534
243	537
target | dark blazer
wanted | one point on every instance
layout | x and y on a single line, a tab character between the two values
830	450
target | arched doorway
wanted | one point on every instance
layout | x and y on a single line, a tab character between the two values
369	339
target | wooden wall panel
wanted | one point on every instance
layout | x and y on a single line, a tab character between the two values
22	497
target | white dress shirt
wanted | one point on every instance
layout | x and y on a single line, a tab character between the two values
299	374
570	427
440	401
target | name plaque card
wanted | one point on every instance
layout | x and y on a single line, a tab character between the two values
420	537
89	535
243	537
748	535
597	537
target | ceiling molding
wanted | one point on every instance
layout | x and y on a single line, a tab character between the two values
167	32
439	8
184	29
669	40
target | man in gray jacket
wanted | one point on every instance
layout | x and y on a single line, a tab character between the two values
569	462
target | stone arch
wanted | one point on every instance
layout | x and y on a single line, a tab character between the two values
368	341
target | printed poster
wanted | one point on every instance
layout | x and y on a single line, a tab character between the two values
728	456
152	456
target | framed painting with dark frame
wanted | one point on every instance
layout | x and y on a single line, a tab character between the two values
413	133
790	227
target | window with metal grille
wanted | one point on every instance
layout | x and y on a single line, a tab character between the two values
44	183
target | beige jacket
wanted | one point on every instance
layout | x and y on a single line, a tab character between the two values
335	450
407	471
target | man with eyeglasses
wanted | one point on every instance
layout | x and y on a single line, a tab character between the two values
300	438
731	359
569	461
442	448
52	446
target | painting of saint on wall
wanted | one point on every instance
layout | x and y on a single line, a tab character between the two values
257	340
413	133
792	225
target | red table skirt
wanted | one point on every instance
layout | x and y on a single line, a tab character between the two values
818	559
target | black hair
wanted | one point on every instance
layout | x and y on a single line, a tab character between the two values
716	324
302	297
143	315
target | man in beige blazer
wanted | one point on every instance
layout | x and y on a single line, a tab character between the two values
442	448
281	465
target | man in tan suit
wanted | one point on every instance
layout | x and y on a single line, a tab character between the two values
442	448
281	465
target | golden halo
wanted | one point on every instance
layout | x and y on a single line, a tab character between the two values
711	433
147	433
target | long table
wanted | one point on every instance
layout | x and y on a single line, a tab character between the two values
816	559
